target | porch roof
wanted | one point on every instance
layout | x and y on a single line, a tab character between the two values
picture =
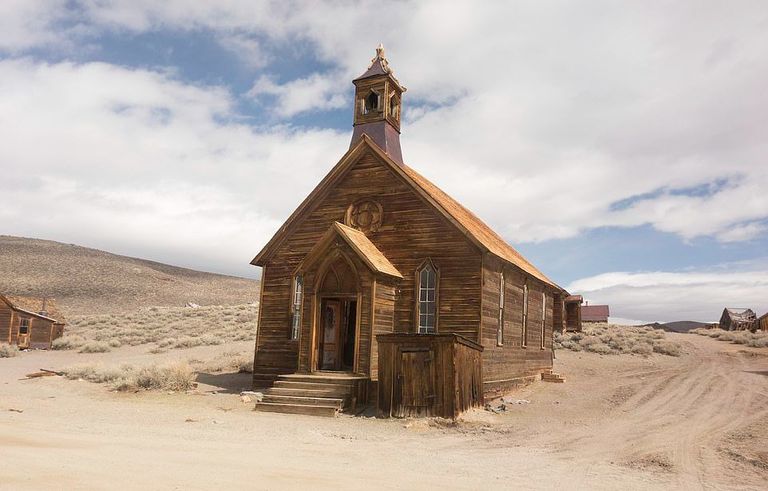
365	249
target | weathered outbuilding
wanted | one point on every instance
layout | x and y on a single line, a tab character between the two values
595	313
762	323
376	249
573	312
737	319
29	322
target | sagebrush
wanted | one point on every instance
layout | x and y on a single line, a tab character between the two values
8	350
165	327
612	339
757	339
178	376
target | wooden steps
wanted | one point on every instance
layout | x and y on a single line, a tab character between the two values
550	376
315	395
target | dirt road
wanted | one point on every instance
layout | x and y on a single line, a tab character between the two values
695	422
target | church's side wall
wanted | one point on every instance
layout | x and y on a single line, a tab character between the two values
411	232
506	365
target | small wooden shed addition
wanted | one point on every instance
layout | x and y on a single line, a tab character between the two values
29	322
380	279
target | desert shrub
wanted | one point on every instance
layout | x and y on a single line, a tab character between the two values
95	347
174	376
667	348
758	342
67	342
8	351
226	362
614	339
115	343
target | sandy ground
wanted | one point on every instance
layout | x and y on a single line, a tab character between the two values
620	422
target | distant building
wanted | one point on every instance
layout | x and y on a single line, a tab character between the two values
594	313
737	319
762	323
29	322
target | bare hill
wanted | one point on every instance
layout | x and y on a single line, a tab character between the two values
89	281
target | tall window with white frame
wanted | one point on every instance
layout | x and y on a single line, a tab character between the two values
500	328
525	316
543	316
298	295
427	304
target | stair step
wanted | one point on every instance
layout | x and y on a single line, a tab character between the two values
273	407
305	401
553	377
340	389
291	391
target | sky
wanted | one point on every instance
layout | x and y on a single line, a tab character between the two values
622	147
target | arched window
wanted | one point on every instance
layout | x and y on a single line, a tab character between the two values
427	304
371	102
394	106
298	295
525	316
543	316
500	328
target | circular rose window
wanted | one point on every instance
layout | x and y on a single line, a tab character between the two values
365	215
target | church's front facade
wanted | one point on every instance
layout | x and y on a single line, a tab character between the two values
376	248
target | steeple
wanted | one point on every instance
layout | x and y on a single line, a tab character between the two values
378	101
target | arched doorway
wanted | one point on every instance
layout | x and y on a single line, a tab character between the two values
336	329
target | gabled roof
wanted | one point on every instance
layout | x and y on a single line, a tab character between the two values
741	314
359	243
594	312
33	306
466	221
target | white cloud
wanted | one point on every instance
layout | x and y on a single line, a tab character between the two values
137	162
540	117
684	295
315	93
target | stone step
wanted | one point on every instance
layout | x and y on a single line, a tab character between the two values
304	401
273	407
553	377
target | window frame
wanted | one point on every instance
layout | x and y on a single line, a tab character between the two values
543	316
24	323
524	341
297	304
502	296
428	264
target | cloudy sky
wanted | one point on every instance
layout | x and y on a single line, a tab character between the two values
621	146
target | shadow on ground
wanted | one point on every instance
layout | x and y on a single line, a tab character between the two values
228	383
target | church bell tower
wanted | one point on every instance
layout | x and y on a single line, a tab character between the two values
378	106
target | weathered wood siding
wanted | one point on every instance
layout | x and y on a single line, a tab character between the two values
40	333
504	365
428	375
411	232
5	322
383	320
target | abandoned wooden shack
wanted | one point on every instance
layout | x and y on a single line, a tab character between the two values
737	319
573	313
595	313
29	322
381	287
762	323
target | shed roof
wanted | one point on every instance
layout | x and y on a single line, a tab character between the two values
741	314
574	299
594	313
466	221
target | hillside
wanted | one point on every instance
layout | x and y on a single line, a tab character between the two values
89	281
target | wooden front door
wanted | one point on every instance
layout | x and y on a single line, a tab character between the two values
329	339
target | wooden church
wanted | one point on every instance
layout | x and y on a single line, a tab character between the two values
380	288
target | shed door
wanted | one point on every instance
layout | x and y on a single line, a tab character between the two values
23	334
417	382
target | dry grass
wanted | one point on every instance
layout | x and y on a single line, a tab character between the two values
611	339
177	376
164	327
229	361
8	350
757	339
